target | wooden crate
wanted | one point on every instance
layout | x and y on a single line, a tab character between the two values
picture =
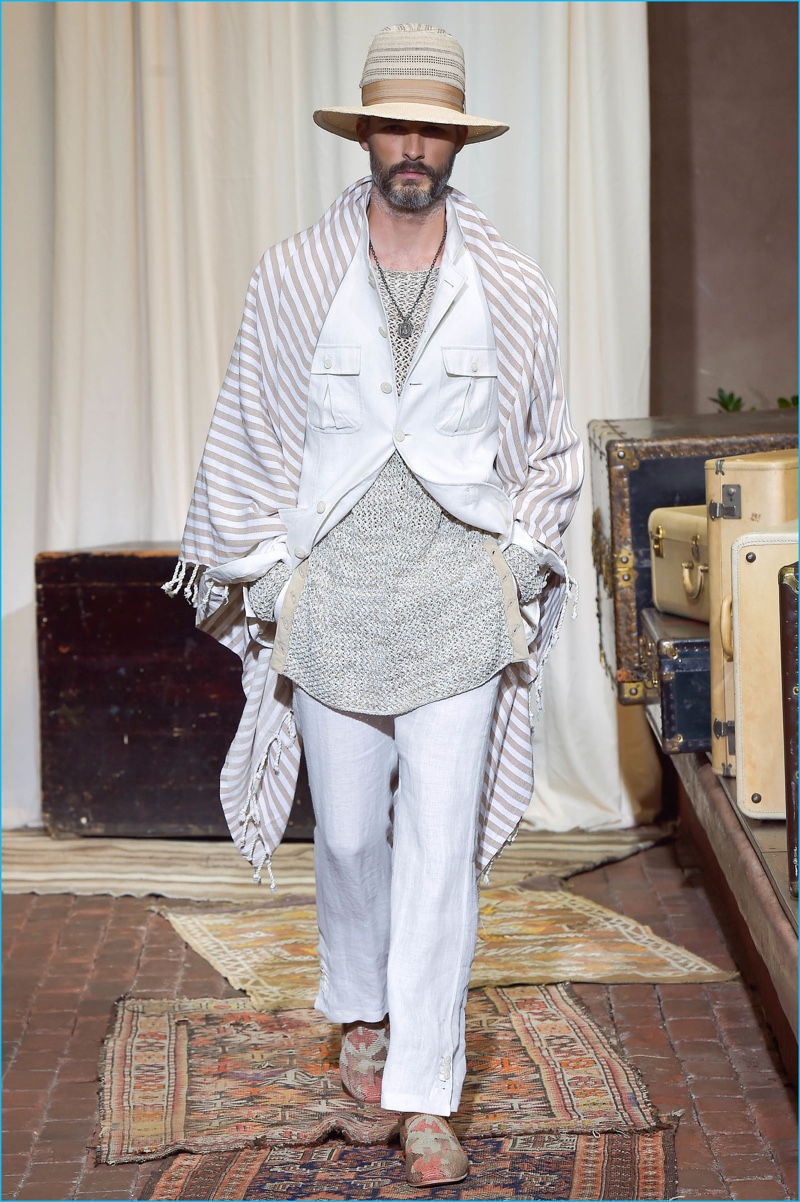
137	707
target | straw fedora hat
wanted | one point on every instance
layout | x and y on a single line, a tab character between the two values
412	73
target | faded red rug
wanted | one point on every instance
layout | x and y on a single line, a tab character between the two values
613	1166
213	1075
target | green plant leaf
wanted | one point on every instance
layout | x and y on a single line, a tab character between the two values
727	401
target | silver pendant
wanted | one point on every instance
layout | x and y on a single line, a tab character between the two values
405	329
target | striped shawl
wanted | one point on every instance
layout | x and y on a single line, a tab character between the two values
250	472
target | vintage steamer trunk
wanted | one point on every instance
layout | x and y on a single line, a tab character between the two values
787	601
642	464
679	561
137	707
675	654
744	493
756	560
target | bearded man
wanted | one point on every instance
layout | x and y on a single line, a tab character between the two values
376	529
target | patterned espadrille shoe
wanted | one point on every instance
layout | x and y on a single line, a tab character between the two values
361	1061
433	1154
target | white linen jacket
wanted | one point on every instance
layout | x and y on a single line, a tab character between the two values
482	422
444	424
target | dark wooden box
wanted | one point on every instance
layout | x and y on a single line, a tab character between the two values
676	655
787	600
638	465
137	707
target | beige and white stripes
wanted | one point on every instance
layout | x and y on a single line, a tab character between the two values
250	473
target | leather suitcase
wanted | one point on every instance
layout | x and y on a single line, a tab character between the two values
137	707
756	560
675	652
642	464
744	493
787	603
679	561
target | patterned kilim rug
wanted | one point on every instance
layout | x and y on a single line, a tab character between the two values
524	1166
213	870
525	937
213	1075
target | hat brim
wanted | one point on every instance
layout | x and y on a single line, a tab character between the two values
342	121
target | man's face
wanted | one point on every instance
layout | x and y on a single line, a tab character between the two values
411	162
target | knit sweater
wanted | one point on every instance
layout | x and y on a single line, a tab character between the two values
402	604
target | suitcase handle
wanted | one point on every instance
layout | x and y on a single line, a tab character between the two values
726	626
693	588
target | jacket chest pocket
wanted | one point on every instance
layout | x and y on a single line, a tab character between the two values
334	389
468	389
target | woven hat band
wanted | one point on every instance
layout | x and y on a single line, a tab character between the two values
413	91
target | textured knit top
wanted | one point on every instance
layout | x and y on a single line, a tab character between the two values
402	604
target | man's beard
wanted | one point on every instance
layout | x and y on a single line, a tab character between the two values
409	194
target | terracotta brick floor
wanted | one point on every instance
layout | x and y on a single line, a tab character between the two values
703	1050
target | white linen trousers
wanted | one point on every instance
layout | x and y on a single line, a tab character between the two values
396	804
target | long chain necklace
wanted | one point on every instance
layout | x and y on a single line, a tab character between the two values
406	327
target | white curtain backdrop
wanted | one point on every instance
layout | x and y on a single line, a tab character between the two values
151	152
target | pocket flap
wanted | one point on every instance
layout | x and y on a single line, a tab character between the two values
336	361
470	361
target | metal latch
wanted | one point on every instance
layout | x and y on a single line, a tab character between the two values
731	504
657	539
726	730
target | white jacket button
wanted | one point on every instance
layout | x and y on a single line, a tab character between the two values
321	506
328	361
382	332
300	552
399	435
386	387
473	365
